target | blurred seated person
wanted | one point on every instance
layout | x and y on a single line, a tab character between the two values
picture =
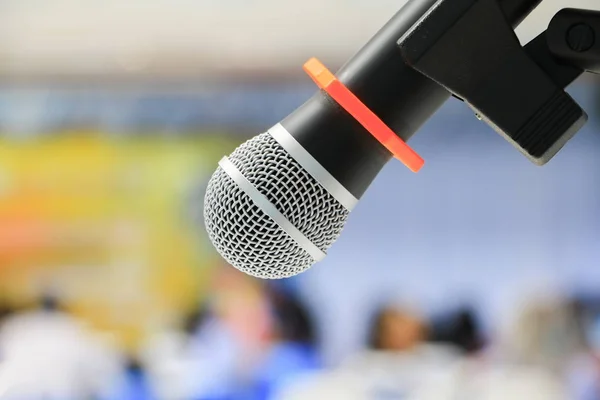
214	352
49	354
546	335
6	310
293	348
460	329
399	363
398	359
247	340
133	384
395	330
196	360
396	364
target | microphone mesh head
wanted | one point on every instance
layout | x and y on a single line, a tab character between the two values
248	238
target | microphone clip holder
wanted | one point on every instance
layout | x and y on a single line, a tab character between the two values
469	48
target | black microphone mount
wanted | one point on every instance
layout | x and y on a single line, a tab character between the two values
469	48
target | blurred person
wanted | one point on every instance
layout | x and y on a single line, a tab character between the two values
49	354
399	359
400	364
397	363
247	340
544	334
6	310
460	329
213	354
538	350
193	361
293	348
267	338
584	372
396	330
584	377
133	385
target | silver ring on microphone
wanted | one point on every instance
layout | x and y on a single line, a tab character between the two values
268	208
313	167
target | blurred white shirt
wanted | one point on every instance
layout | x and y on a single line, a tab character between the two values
53	356
427	373
183	367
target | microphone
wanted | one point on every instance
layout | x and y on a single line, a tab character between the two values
275	206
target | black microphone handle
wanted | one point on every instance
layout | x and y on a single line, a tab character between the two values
403	98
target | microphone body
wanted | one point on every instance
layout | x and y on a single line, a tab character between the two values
400	96
275	206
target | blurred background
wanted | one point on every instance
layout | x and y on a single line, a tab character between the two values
478	278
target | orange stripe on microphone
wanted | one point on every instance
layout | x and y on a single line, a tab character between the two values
367	118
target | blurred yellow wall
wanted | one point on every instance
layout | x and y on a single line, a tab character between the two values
108	224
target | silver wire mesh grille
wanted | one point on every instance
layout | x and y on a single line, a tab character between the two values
303	201
246	237
249	239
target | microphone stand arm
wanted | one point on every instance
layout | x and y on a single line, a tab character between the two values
469	48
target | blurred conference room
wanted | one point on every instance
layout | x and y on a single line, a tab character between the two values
478	277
